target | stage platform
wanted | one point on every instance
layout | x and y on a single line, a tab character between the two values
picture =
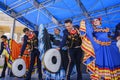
35	76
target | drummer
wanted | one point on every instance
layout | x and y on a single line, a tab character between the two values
72	38
4	40
31	39
56	38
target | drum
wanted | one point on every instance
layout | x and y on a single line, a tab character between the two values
19	67
2	60
52	60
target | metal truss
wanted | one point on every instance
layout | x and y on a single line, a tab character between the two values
85	12
12	13
96	11
52	18
8	9
42	6
37	6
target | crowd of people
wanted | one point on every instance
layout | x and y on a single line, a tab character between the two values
82	44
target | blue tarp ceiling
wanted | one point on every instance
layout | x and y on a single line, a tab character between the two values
52	13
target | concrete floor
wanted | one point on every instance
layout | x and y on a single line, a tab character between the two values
85	77
34	77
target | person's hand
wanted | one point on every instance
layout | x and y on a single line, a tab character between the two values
118	38
19	56
58	49
82	23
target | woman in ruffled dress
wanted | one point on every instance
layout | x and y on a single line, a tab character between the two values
102	56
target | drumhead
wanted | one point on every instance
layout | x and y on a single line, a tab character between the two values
19	67
52	60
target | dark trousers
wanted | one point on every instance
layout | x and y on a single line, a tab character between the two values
4	69
65	60
35	53
75	57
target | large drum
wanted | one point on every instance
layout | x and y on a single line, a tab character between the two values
52	60
19	67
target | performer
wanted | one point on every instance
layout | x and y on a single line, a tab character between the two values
44	45
31	39
26	56
3	46
102	57
72	38
56	38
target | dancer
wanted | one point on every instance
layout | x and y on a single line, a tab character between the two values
72	39
4	40
102	56
31	39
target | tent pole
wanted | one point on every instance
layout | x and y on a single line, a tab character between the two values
13	29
